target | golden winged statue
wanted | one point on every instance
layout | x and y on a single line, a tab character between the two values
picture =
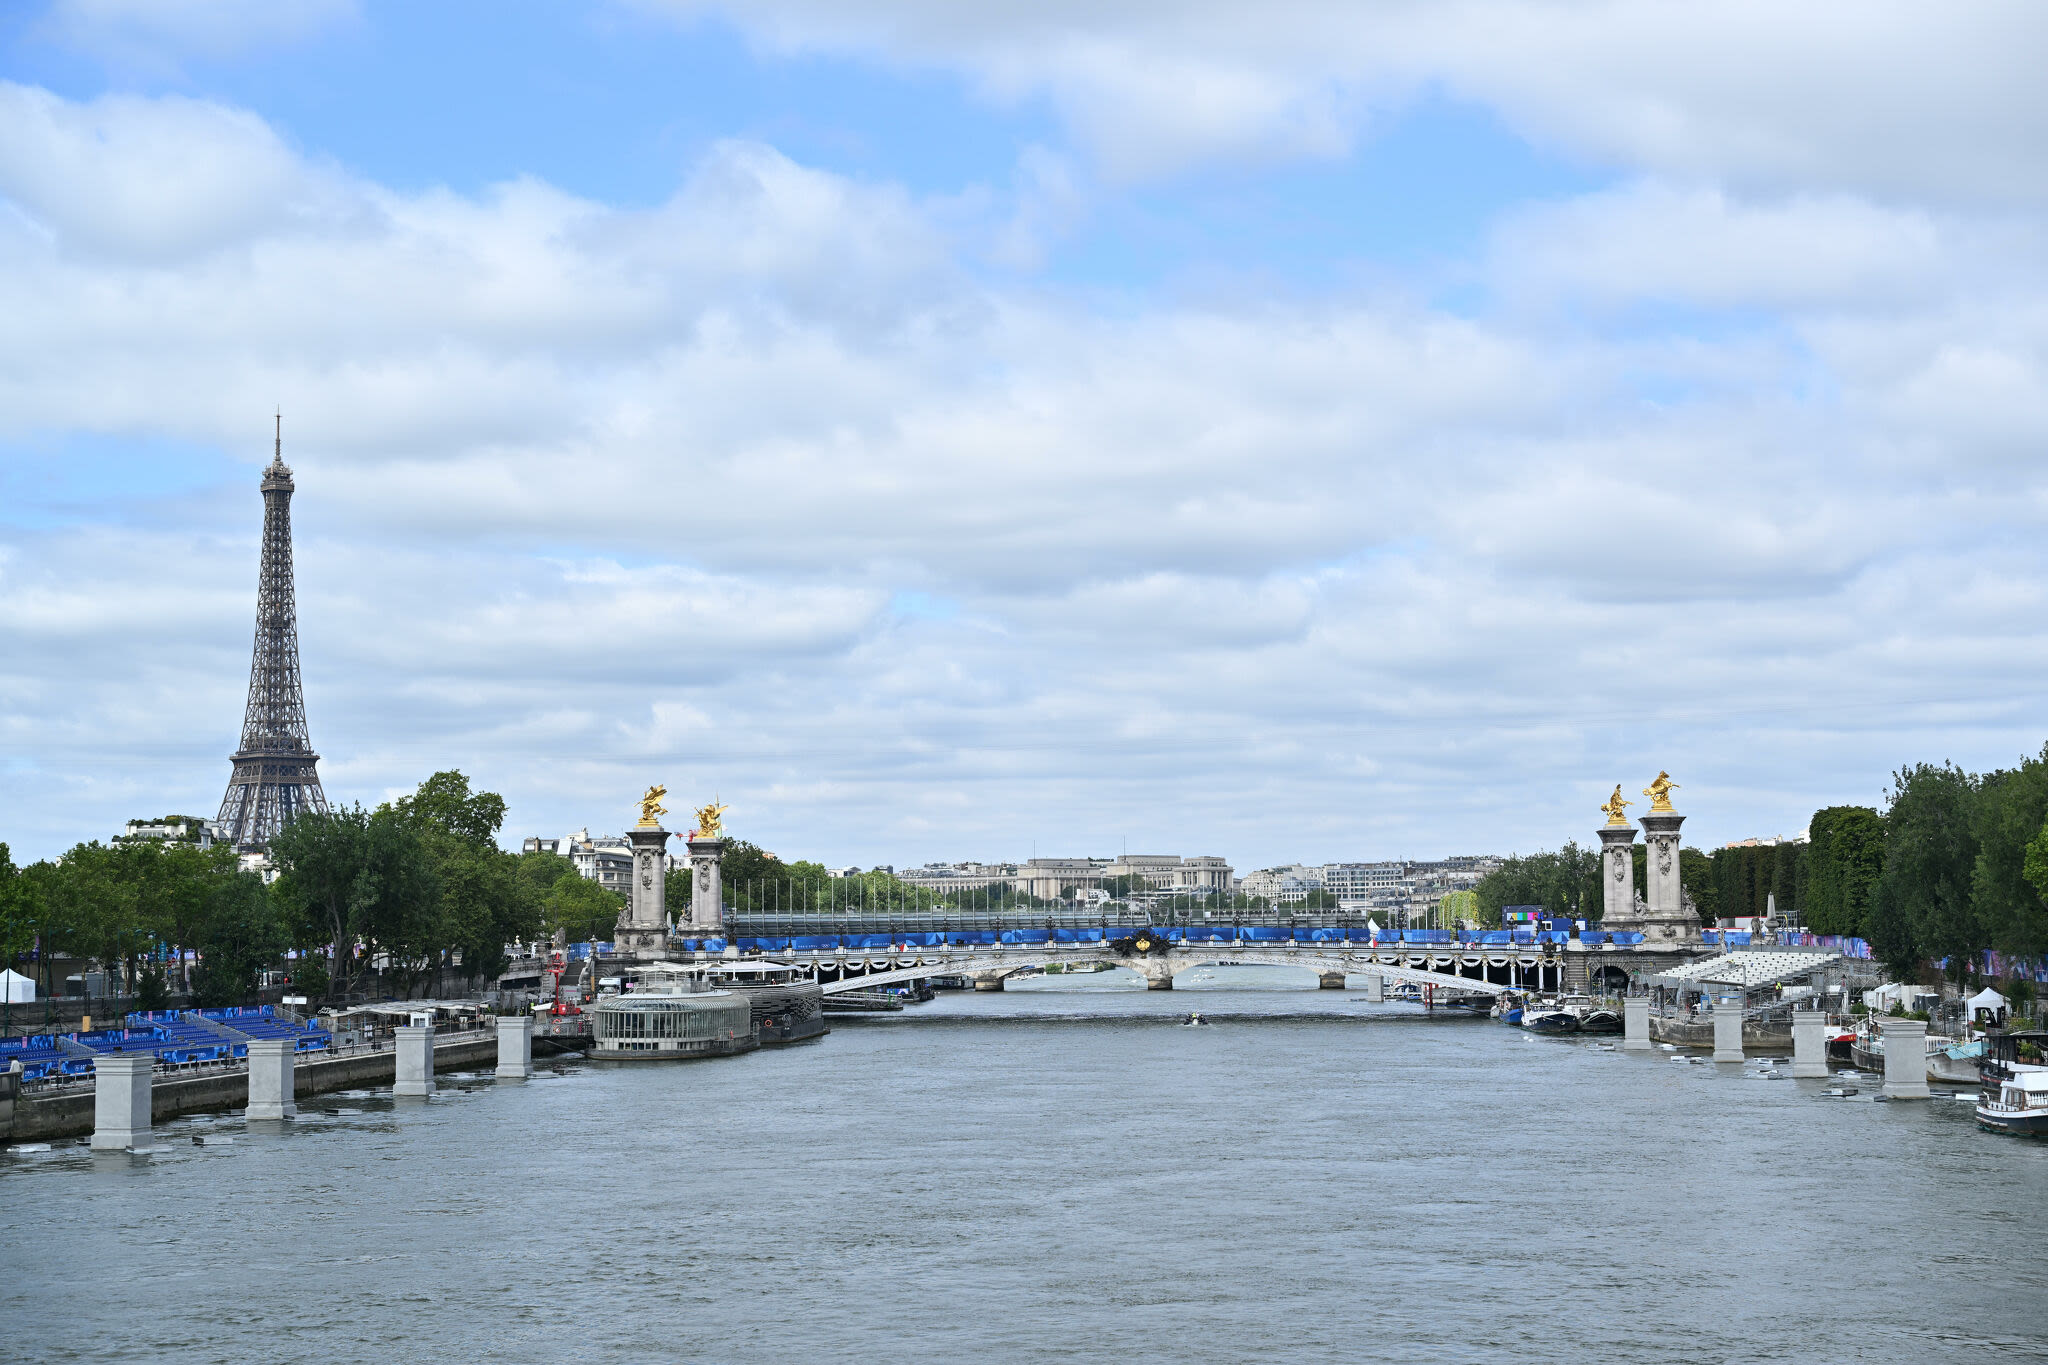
1615	806
651	809
1659	793
711	820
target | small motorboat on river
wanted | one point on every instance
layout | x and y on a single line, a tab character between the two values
1541	1017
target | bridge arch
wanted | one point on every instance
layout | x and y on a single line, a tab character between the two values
982	961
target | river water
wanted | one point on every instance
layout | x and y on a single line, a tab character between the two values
1058	1176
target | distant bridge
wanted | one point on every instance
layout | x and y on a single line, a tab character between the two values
1159	965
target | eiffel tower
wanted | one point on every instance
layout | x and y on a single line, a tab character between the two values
274	777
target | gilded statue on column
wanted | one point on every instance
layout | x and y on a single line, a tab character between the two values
1615	806
651	809
1659	793
711	820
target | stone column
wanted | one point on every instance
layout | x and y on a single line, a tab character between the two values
1375	988
415	1060
1635	1023
1330	981
1728	1028
1617	872
643	924
515	1047
1905	1059
121	1099
1660	834
1809	1043
707	890
271	1093
988	981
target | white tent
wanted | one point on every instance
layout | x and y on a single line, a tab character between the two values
16	989
1987	999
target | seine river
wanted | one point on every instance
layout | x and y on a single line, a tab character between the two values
1056	1176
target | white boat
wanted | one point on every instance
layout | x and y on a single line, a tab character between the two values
2020	1105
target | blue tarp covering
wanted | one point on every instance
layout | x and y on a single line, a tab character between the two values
867	940
1258	934
1026	935
1427	936
1362	934
1592	937
925	940
1319	936
815	943
1496	936
712	945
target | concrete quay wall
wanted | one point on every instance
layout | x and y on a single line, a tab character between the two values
38	1119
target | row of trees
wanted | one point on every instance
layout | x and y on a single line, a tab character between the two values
133	906
1956	863
412	887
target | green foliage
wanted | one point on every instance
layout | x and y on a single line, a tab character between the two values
1930	860
152	991
309	978
2036	865
1747	878
419	881
1565	883
1845	857
573	905
20	911
1457	907
445	804
1124	884
2010	814
1890	930
1696	877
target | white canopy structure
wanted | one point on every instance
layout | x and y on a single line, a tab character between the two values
16	989
1747	969
1987	999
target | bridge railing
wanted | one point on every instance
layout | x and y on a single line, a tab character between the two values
787	935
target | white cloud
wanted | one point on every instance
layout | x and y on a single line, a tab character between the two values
590	497
156	34
1879	96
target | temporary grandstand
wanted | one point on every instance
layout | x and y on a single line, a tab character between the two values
177	1037
1749	968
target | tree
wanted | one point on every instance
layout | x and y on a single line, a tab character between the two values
2011	809
242	931
1929	863
1565	883
1696	877
2037	860
479	904
1846	857
321	860
444	802
18	906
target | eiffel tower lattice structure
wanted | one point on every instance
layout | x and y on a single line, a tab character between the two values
275	777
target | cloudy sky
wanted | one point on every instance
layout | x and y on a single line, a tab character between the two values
1286	431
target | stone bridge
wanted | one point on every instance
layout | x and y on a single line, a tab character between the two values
1159	967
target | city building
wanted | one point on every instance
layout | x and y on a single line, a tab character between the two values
951	877
183	829
606	859
1266	882
1169	872
1361	881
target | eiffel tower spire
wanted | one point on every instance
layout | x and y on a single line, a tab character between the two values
274	777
